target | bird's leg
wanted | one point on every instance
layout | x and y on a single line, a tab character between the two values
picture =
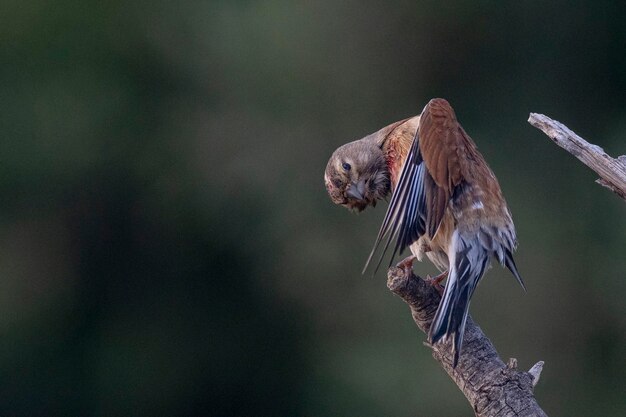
407	265
436	281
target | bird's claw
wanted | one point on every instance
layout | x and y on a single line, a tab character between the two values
436	281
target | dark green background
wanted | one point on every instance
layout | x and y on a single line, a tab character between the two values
166	243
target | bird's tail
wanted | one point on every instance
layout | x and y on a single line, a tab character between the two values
467	266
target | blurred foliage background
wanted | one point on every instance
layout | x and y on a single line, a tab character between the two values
167	244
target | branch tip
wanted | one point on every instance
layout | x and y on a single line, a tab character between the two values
535	372
396	279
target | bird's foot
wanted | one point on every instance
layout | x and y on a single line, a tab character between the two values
436	281
407	265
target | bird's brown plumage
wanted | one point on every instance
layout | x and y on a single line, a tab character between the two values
446	203
441	145
396	144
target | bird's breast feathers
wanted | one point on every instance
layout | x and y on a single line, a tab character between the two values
396	147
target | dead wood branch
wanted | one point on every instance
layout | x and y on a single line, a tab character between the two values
612	171
493	388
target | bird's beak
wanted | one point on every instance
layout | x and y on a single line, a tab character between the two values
357	190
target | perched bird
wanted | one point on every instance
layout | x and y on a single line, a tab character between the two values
445	203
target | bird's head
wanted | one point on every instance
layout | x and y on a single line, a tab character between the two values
356	175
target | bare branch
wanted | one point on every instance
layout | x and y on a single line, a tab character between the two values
612	171
492	388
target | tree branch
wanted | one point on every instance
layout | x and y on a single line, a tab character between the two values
612	171
492	388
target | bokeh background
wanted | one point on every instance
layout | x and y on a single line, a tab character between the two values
166	243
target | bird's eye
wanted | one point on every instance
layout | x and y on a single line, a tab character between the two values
346	166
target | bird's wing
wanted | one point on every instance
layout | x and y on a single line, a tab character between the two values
426	182
405	219
452	162
442	141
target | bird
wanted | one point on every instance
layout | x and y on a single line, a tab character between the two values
446	203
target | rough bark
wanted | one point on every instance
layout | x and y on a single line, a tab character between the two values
612	171
493	388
